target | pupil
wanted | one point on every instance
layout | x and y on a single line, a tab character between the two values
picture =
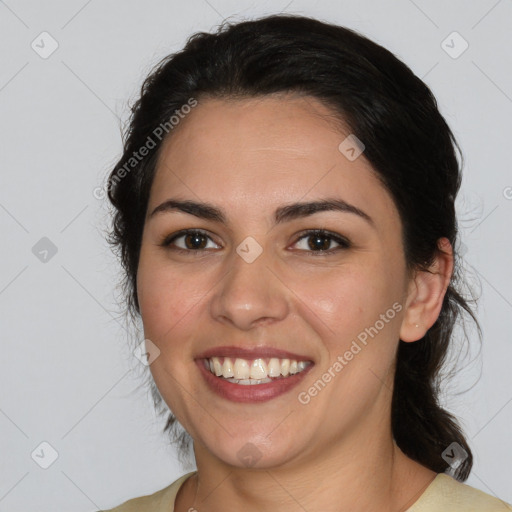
195	237
316	238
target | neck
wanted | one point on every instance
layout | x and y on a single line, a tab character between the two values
353	475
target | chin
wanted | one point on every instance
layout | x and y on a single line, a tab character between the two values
254	452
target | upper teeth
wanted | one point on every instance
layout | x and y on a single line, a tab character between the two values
255	369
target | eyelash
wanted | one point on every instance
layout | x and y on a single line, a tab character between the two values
343	242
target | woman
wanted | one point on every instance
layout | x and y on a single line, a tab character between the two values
285	217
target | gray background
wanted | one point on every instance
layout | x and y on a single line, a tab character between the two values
67	377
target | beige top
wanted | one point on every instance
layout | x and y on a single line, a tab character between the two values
444	494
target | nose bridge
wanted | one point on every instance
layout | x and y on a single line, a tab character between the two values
249	291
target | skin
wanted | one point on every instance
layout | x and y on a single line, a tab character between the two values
249	157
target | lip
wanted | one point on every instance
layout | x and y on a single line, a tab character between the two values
251	353
250	393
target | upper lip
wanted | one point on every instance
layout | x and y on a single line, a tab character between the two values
251	353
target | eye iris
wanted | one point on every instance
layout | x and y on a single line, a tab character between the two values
195	237
322	246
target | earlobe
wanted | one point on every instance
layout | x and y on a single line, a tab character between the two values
426	294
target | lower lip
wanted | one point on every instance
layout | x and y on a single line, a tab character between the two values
253	392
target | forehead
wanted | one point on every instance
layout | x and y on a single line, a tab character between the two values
280	126
265	151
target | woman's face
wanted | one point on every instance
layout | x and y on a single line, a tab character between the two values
257	283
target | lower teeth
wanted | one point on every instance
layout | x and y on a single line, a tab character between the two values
251	382
248	382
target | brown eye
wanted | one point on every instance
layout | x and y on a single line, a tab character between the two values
319	241
192	240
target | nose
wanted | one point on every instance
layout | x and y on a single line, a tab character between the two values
250	294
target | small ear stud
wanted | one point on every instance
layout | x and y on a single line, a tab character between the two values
416	325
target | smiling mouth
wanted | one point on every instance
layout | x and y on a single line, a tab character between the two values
253	371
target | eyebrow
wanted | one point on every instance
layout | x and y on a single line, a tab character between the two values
282	214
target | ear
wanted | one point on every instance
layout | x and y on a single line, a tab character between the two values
426	293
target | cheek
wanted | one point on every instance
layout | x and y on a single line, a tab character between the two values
165	298
343	297
346	304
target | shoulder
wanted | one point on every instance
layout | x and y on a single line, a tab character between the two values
162	500
447	493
